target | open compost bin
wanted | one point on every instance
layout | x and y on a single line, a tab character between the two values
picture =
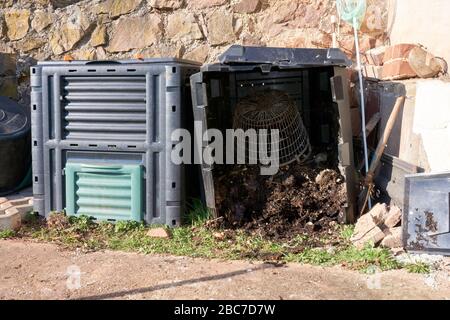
318	189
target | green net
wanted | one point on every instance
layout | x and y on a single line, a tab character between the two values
352	11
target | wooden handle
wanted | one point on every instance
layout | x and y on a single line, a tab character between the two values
386	134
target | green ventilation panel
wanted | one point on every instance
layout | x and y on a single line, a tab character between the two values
104	192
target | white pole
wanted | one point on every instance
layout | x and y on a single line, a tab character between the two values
363	103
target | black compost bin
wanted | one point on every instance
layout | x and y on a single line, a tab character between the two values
111	119
316	79
15	149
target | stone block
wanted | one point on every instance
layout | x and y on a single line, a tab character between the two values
160	233
135	33
393	217
393	239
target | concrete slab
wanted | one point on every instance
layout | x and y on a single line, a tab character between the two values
13	209
10	220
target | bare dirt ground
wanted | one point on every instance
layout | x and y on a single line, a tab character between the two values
39	271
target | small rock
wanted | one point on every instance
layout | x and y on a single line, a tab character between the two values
27	45
17	23
65	37
393	217
393	239
164	50
374	236
85	54
101	54
183	26
331	250
322	175
310	226
397	251
199	54
166	4
251	39
219	236
116	8
160	233
99	36
41	20
367	228
280	12
379	213
247	6
135	33
220	28
363	226
202	4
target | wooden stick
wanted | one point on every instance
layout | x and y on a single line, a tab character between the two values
371	125
382	146
386	134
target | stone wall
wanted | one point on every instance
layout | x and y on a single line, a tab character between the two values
194	29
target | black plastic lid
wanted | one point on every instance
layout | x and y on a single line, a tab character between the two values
284	57
14	120
168	60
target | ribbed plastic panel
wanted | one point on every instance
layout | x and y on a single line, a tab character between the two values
110	113
105	108
104	192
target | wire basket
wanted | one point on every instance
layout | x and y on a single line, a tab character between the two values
273	109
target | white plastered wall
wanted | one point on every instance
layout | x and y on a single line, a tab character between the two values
425	22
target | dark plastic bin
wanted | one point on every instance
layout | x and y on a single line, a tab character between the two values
15	136
306	75
111	113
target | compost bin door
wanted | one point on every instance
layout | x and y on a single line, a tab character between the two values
426	215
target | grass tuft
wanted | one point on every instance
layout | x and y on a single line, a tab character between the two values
347	231
197	240
197	213
7	234
420	267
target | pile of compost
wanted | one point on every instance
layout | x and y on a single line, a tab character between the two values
299	200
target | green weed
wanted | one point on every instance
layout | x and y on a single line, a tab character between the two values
197	213
420	267
195	240
7	234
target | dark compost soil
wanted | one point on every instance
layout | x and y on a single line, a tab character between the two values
298	200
